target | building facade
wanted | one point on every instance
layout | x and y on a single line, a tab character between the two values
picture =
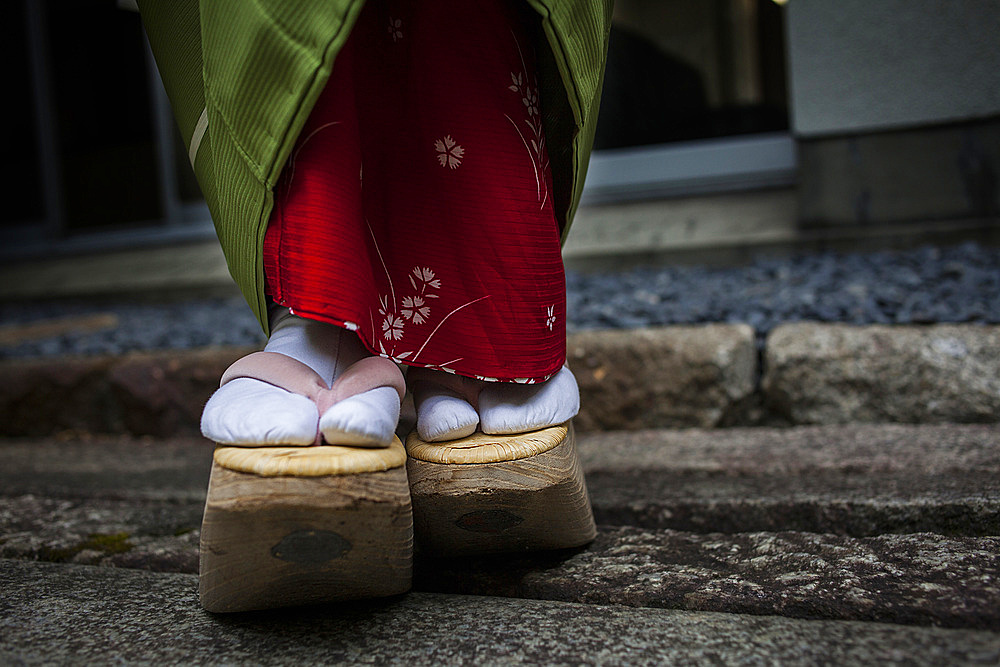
739	122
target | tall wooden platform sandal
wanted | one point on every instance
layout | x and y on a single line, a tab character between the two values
296	525
499	493
287	526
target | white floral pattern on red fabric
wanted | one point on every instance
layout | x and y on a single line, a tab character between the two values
534	141
392	327
450	154
413	309
318	258
395	29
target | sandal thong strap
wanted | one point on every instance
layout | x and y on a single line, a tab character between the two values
364	375
279	370
292	375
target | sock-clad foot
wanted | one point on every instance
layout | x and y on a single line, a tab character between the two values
506	408
250	412
257	411
451	407
442	413
446	404
365	420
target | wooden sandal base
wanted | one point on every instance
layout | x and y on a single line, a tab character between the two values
282	541
532	503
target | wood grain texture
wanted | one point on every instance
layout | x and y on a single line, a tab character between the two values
282	541
537	502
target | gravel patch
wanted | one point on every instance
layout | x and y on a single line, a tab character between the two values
922	286
927	285
145	326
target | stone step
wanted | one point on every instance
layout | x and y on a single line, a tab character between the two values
668	377
72	614
921	579
852	480
160	535
818	522
837	374
116	468
110	501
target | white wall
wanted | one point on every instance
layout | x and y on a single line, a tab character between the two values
864	65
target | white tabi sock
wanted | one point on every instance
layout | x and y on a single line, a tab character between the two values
442	414
364	420
325	348
247	411
506	408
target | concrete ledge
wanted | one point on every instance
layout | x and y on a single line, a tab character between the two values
667	377
663	377
66	614
671	376
173	271
149	393
836	373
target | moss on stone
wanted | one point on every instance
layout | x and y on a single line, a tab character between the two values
115	543
62	555
109	544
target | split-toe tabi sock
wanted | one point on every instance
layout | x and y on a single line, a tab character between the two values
325	348
445	403
255	410
367	419
245	411
450	407
442	414
506	408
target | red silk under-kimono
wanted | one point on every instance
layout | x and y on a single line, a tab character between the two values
415	209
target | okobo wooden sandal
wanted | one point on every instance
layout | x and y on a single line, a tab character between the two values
499	493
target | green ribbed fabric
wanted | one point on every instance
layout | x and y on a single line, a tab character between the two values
259	67
176	43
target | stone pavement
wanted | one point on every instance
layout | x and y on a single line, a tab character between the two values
810	544
72	614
